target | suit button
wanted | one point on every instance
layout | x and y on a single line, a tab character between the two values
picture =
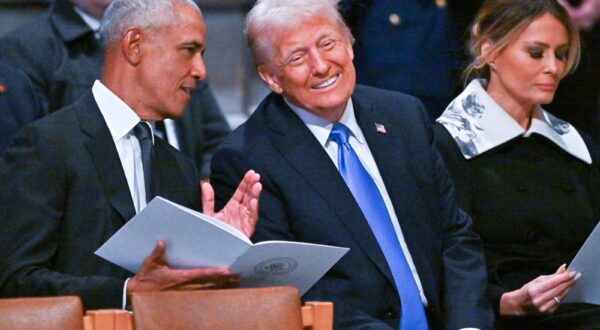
391	314
395	19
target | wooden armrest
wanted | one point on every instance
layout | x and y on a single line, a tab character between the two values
108	319
317	315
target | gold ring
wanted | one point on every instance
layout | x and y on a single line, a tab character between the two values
556	300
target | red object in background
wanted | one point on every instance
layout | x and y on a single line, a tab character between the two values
2	88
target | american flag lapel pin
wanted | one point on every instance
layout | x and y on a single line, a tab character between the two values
380	128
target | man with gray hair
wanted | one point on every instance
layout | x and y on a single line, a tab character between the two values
353	166
71	179
61	53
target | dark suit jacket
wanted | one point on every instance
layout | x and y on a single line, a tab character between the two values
305	199
18	103
61	56
63	194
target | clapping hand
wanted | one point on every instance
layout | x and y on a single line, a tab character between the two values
242	209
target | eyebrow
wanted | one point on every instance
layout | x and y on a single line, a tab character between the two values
195	44
322	34
543	44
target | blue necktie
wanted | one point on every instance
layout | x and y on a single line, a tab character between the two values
368	197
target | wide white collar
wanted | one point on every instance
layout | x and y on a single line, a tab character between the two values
477	124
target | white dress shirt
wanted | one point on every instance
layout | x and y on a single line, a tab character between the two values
321	129
121	120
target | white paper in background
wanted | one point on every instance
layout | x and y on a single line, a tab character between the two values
194	240
587	262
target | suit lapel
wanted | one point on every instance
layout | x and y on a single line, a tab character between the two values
104	155
295	141
393	158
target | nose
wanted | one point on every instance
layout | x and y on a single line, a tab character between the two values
320	64
553	66
198	67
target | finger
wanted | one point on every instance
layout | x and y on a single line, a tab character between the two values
196	274
245	184
156	257
208	199
183	277
561	269
244	188
548	282
546	302
213	283
250	224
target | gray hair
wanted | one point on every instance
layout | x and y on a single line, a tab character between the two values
143	14
269	16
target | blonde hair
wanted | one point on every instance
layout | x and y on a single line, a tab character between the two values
502	21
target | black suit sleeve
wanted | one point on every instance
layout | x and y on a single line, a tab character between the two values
464	303
457	167
33	199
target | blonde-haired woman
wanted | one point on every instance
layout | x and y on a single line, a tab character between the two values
529	180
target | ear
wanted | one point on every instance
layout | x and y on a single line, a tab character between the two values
131	45
269	78
350	50
486	47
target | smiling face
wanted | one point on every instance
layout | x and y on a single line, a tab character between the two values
171	63
526	73
312	67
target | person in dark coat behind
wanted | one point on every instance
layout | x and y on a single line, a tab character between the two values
18	103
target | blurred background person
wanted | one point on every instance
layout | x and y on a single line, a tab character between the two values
412	46
578	96
18	103
530	180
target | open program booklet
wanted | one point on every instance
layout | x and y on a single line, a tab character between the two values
196	240
587	260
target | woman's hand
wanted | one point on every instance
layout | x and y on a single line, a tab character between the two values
540	296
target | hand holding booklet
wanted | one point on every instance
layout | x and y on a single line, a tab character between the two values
587	288
195	240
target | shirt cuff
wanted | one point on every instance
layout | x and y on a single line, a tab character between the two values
124	300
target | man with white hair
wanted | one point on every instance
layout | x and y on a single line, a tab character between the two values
71	179
353	166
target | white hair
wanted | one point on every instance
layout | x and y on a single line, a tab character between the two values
143	14
269	16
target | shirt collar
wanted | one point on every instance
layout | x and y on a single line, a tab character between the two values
119	117
68	23
321	127
91	21
477	124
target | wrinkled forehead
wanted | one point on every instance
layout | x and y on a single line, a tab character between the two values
305	32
